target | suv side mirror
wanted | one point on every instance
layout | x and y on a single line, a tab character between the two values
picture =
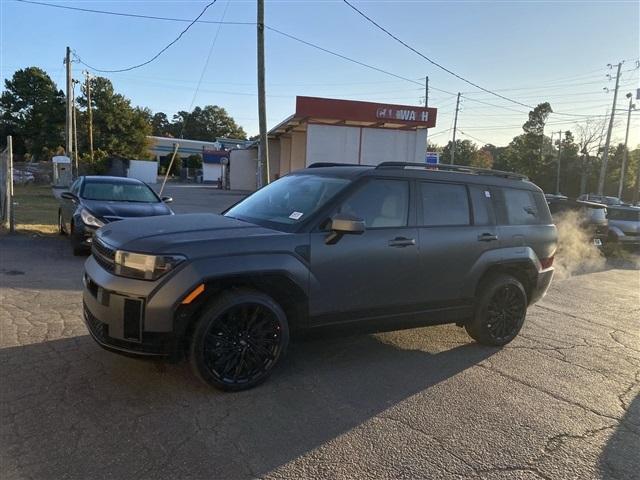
69	196
343	224
167	199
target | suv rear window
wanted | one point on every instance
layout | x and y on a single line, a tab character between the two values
522	207
443	204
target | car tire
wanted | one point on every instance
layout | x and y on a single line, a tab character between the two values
76	243
238	340
500	311
61	229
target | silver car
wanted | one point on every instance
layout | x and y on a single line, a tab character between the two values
624	225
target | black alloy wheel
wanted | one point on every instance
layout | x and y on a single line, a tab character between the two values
238	341
505	312
500	311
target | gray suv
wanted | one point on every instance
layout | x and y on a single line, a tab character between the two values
338	247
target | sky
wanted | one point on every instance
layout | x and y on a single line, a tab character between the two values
529	51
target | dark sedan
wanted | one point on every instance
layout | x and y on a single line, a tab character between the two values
93	201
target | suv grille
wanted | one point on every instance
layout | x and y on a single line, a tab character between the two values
105	256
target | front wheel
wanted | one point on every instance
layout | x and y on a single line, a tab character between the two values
500	311
238	340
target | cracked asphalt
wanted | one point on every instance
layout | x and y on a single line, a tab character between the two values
561	402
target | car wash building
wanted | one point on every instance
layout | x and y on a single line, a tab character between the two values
346	131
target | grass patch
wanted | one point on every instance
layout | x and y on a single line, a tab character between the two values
36	209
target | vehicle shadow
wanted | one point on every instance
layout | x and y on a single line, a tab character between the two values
620	458
71	410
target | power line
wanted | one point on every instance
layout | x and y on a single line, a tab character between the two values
206	63
133	67
339	55
370	20
132	15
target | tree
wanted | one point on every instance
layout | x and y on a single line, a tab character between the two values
537	119
482	159
33	112
194	161
161	126
465	150
119	129
207	124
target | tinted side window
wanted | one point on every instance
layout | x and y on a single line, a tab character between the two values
443	204
482	205
380	203
520	206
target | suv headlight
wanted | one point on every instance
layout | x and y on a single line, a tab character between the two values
144	267
89	219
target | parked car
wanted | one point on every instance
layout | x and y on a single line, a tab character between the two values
327	247
624	226
592	217
93	201
22	177
603	199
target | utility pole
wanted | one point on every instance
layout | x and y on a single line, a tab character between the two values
90	112
605	154
75	125
69	118
263	151
558	171
625	151
426	104
455	126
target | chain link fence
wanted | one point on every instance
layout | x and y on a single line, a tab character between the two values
6	186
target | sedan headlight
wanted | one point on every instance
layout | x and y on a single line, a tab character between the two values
89	219
144	267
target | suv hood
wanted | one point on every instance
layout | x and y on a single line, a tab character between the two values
174	233
112	211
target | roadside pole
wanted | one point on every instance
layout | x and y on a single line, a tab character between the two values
558	166
69	117
426	104
10	211
166	175
605	154
455	126
625	151
75	126
90	112
263	150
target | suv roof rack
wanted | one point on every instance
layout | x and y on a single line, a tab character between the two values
454	168
333	164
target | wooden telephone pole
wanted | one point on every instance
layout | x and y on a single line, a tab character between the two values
455	127
263	150
89	111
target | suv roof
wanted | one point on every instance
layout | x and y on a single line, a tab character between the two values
453	173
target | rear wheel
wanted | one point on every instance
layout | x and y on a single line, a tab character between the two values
61	229
238	340
500	311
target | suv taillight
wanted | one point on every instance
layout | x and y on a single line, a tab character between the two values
547	262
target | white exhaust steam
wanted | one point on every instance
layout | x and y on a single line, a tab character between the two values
576	252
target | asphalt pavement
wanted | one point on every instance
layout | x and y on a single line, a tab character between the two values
560	402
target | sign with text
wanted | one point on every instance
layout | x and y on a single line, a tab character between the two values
376	114
432	158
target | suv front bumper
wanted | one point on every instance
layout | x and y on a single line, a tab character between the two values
135	317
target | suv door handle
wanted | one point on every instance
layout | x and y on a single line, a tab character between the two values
487	237
402	242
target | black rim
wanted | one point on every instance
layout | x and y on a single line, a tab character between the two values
505	312
242	344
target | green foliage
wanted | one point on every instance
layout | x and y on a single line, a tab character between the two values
207	124
194	161
118	128
32	110
465	151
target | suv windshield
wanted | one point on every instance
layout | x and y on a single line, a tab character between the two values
118	192
287	201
